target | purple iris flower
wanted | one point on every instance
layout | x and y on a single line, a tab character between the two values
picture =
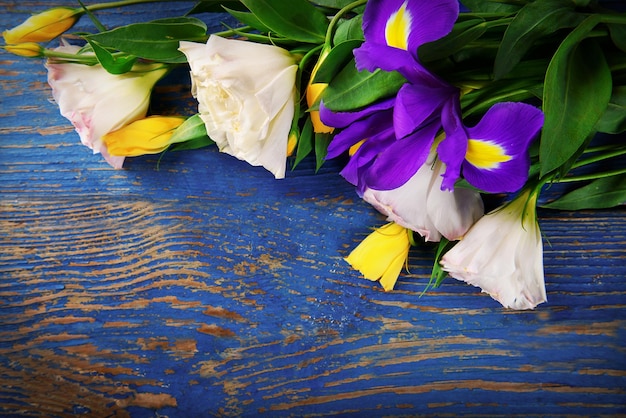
401	132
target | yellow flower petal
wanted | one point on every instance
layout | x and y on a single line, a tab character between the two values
25	49
381	255
43	27
150	135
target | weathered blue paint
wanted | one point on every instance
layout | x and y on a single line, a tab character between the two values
200	286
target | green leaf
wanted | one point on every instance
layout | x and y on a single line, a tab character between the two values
602	193
192	144
305	142
192	129
438	273
297	20
462	34
337	58
535	21
321	148
113	64
613	120
248	19
487	6
352	89
215	6
618	35
349	29
157	40
576	93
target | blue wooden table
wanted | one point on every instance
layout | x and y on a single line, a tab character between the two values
192	284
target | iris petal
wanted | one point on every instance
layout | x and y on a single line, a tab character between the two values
359	130
400	160
504	134
368	57
408	24
453	148
343	119
416	103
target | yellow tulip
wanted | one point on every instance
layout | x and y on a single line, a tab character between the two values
313	93
43	27
25	49
150	135
382	254
292	143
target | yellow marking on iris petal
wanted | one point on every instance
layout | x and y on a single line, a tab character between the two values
354	148
398	28
485	154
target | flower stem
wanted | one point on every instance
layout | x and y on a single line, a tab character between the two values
333	22
591	176
615	152
120	3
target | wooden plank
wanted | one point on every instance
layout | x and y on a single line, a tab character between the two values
198	285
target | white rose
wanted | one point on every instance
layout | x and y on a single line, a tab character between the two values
246	97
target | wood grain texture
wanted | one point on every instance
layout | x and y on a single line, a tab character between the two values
200	286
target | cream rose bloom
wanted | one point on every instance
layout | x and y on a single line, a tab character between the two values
246	98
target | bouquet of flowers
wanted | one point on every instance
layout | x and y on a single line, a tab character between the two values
434	104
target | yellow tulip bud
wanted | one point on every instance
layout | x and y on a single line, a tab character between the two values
25	49
292	142
313	93
382	254
43	27
150	135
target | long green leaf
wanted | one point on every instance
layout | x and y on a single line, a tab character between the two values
297	20
613	120
353	89
338	57
462	34
305	142
486	6
533	22
576	93
618	35
248	18
602	193
322	140
157	40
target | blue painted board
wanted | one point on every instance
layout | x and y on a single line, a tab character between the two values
196	285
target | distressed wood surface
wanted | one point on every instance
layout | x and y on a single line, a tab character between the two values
200	286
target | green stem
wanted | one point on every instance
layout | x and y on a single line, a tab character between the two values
613	18
615	153
120	3
592	176
333	22
67	57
